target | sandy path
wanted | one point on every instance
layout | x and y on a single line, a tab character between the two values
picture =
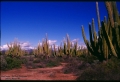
54	73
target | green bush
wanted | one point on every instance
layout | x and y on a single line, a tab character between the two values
91	74
88	59
52	63
113	63
13	63
23	61
103	71
36	60
3	63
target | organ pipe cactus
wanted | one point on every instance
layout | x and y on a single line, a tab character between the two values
65	47
71	49
14	49
45	47
113	39
54	50
108	41
75	48
68	44
38	51
92	46
60	50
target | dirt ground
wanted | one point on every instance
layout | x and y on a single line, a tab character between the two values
51	73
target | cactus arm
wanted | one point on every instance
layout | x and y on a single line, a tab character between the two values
117	37
98	15
86	41
110	13
68	44
65	48
94	33
115	12
90	33
104	48
108	40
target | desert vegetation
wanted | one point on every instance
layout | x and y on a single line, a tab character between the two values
99	61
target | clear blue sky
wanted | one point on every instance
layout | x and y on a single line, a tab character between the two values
29	21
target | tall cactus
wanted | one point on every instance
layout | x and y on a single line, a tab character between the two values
65	47
55	51
38	51
60	50
71	49
75	48
68	44
98	15
108	41
14	49
94	44
45	47
113	40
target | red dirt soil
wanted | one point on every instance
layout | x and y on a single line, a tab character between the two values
51	73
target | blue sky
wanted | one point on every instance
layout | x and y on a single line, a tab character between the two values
30	21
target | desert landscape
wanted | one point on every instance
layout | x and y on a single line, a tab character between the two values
54	73
98	59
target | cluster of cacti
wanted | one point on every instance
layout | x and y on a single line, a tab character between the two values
38	50
60	50
113	39
70	49
67	48
14	50
43	49
108	41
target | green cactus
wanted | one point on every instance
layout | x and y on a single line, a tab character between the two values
45	47
14	49
54	50
115	29
98	16
86	41
68	44
65	48
108	41
38	51
60	50
75	49
71	49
